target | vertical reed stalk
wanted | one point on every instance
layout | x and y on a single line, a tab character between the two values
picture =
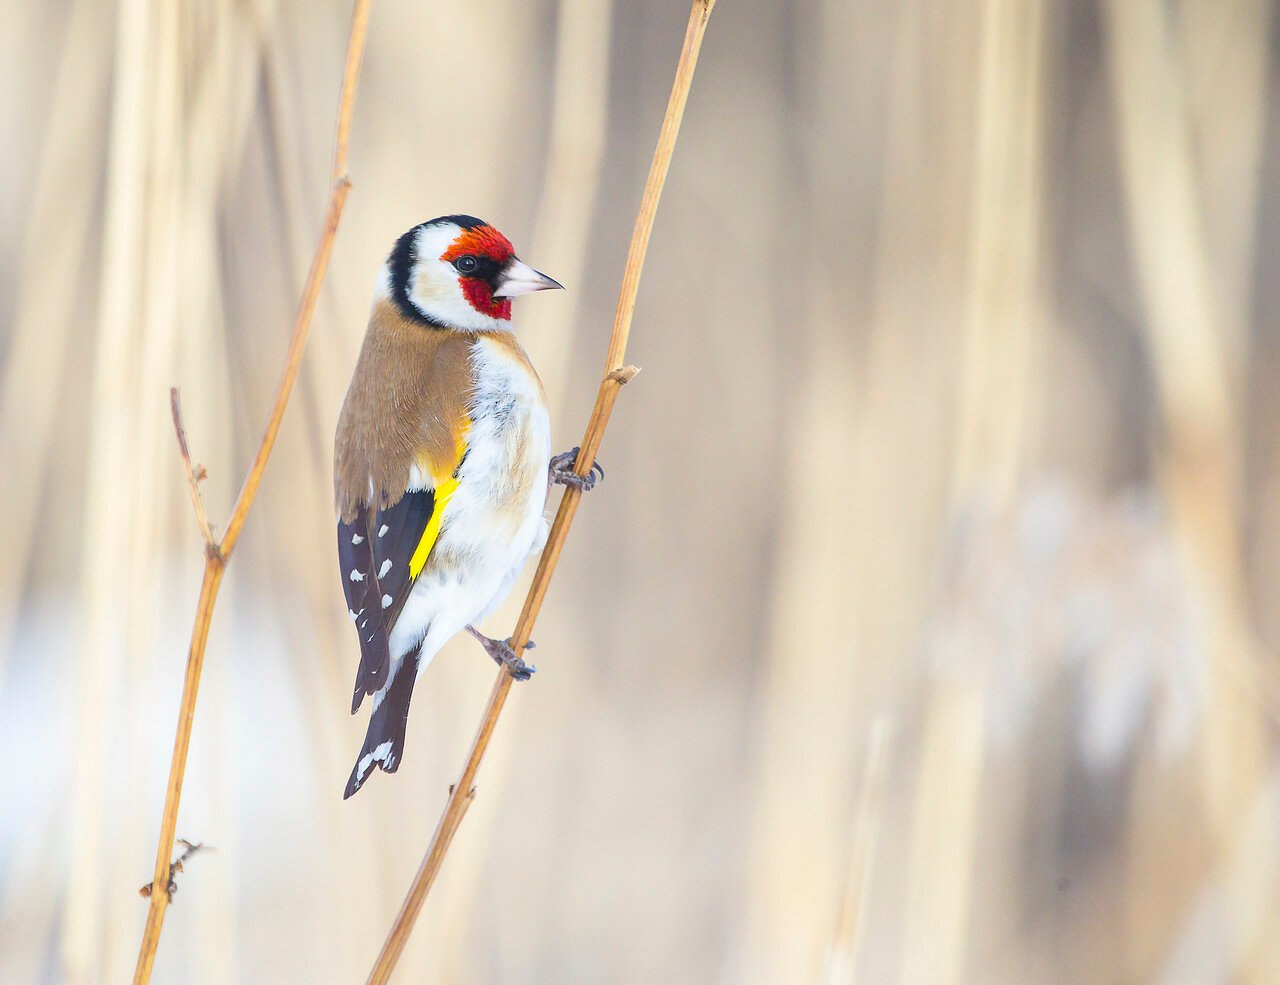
864	839
1201	452
562	228
616	375
218	552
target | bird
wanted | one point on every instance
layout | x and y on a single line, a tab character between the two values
442	465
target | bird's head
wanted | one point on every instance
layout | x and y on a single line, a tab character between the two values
458	272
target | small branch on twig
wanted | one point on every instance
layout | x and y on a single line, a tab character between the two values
194	474
218	552
616	375
176	866
624	375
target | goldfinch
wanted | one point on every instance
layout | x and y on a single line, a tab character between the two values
442	465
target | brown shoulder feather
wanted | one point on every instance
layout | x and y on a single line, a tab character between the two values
406	406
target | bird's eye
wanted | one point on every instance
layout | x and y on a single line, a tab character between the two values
466	264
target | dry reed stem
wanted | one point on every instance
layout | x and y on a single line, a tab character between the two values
194	473
864	838
616	375
562	229
995	431
55	240
1201	454
218	553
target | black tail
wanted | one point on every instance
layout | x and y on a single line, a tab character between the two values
384	742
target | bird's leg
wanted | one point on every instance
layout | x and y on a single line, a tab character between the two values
561	472
502	653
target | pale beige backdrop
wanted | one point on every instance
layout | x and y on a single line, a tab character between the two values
924	629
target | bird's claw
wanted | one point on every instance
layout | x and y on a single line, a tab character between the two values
562	472
505	656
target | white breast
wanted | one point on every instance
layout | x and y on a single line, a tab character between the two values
494	519
503	484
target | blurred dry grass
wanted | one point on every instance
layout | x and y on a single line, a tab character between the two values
958	415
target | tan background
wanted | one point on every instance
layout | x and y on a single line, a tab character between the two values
924	629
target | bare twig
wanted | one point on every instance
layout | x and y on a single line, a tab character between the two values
189	848
218	553
195	474
616	375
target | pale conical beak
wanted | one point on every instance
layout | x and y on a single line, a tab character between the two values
519	278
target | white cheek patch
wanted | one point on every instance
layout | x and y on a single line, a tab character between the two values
434	288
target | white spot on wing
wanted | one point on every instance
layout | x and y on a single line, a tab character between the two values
386	601
356	575
380	754
383	529
357	539
386	566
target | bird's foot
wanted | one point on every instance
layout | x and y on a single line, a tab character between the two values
504	655
562	473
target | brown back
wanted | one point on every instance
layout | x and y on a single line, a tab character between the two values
406	405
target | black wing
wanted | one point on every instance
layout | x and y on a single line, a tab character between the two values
374	556
397	534
359	573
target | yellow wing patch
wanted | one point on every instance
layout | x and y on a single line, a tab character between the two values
443	493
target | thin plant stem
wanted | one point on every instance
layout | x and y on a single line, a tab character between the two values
616	375
218	552
195	473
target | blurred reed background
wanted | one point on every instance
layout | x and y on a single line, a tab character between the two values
924	631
